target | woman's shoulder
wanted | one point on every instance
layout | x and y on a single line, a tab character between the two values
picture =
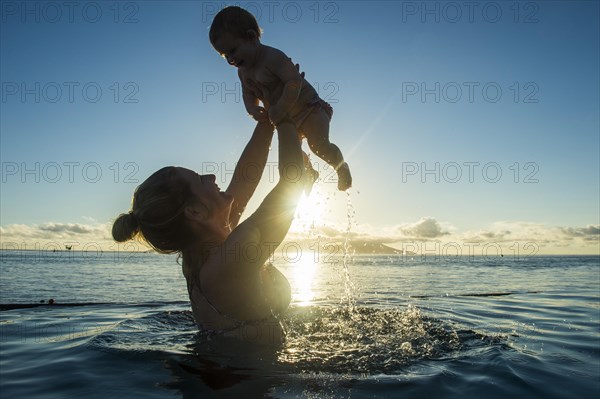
192	267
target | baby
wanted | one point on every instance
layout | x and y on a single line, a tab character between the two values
270	77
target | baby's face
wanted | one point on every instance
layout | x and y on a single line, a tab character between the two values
240	53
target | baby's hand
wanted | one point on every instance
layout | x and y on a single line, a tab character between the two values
259	114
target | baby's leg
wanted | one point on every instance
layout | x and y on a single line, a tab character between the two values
316	130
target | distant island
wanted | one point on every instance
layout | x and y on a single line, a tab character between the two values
356	247
375	248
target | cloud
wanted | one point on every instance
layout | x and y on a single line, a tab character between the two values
58	234
522	236
588	233
493	235
70	228
426	228
547	238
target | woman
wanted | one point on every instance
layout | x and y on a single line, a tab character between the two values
232	290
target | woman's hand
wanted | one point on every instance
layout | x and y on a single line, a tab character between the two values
258	113
275	114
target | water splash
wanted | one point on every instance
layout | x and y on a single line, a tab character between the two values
364	340
349	298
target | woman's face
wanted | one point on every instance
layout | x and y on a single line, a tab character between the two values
205	189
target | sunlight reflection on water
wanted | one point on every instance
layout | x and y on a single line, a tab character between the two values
303	275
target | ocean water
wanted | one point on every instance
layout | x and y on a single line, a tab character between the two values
368	326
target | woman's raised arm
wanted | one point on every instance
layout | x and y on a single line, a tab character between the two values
254	240
248	170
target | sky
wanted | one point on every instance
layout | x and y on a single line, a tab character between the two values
469	127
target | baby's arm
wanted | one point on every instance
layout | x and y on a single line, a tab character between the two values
281	65
252	103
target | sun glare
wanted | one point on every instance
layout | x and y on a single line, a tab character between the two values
309	212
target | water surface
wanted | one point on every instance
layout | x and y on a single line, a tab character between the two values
414	327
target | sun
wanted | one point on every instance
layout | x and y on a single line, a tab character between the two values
309	212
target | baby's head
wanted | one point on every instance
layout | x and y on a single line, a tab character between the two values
235	21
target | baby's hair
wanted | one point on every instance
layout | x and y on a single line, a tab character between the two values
233	20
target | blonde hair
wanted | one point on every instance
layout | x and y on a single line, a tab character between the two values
157	214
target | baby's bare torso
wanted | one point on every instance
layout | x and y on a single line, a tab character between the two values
265	85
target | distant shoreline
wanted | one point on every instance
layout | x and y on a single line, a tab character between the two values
354	253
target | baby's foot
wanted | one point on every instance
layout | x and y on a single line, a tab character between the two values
344	177
311	177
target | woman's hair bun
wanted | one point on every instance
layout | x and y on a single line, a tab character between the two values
125	227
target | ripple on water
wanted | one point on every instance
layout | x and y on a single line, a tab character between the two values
164	331
333	340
